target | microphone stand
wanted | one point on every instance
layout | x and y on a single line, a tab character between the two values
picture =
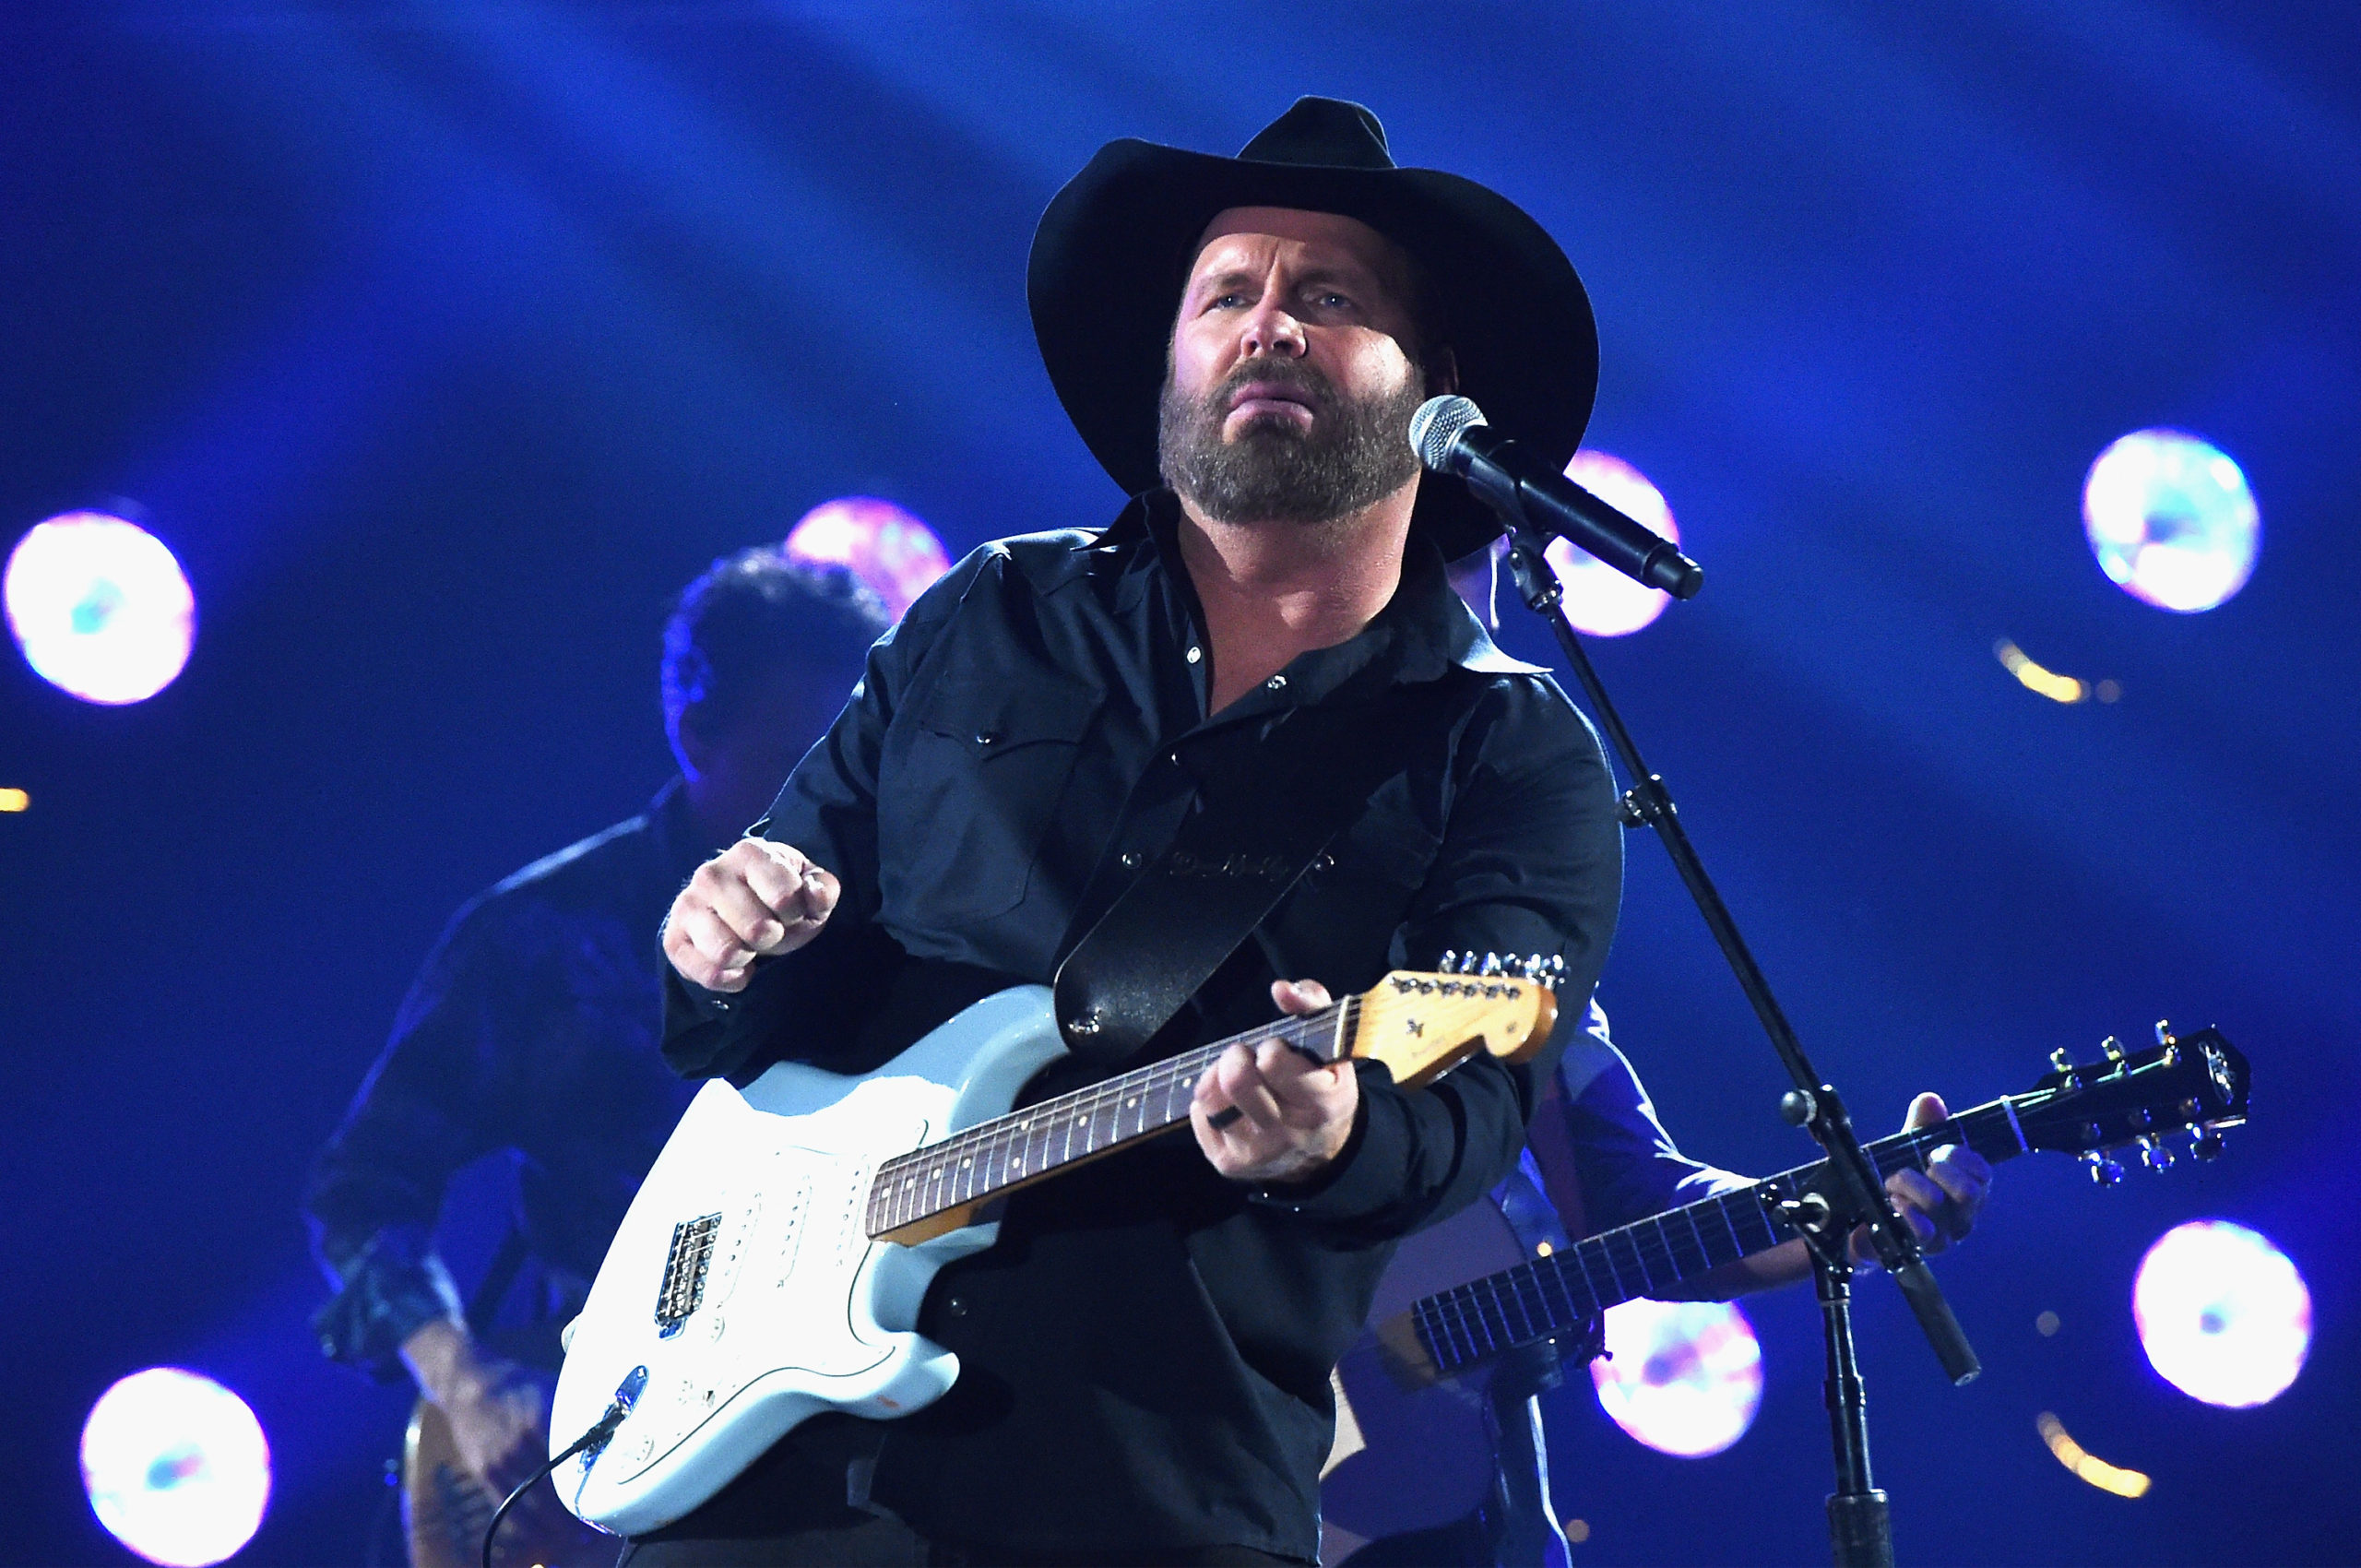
1859	1530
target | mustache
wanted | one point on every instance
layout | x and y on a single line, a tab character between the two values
1292	376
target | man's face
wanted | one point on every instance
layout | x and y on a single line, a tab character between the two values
1292	379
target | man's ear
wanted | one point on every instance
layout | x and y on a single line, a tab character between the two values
692	746
1442	373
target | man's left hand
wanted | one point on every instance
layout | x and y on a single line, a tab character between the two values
1940	1203
1269	1113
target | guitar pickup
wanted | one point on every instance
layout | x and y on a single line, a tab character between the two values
684	1270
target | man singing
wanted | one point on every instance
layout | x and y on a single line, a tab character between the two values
1145	1352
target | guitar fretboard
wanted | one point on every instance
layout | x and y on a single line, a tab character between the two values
1009	1151
1552	1295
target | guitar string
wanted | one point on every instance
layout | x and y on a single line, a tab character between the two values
1462	1309
995	1139
1169	1078
1059	1112
909	1198
904	1185
1483	1308
1467	1311
982	1148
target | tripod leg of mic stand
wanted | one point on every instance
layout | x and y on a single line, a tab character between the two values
1860	1531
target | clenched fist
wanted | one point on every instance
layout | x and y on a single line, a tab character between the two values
756	899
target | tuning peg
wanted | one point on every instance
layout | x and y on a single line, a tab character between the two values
2103	1172
1491	965
2113	1047
2059	1060
2206	1142
2164	1032
1534	969
2153	1154
1450	957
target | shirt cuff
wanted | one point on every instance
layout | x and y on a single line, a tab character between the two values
713	1034
1366	1175
389	1293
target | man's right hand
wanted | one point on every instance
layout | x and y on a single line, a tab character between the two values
497	1410
756	899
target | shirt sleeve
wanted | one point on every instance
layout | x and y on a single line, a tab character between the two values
425	1110
1531	864
1627	1164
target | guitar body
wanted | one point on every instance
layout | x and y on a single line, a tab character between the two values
1425	1457
773	1265
780	1305
445	1511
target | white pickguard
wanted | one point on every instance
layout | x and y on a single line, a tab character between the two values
800	1312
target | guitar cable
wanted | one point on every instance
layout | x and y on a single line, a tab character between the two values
597	1437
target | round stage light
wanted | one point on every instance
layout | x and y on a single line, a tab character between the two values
2171	520
1683	1377
100	608
891	551
2223	1314
176	1468
1600	599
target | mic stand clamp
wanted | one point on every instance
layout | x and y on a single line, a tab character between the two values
1856	1195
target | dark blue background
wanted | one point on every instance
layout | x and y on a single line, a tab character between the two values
443	341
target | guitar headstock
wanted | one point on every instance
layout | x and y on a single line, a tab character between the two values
1421	1024
2193	1086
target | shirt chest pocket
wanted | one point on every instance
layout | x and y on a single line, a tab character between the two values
976	768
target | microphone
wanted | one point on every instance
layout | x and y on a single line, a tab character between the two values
1451	437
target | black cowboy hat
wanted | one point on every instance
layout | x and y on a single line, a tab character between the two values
1114	248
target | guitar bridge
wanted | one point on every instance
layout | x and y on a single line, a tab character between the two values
684	1271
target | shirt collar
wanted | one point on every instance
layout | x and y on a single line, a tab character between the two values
1430	625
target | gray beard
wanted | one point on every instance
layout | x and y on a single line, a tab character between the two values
1355	455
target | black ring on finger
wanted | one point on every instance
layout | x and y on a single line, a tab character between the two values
1225	1118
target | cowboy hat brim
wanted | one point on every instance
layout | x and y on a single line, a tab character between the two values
1113	250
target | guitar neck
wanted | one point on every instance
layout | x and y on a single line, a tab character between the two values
1555	1294
1015	1150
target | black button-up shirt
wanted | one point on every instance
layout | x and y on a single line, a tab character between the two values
1145	1352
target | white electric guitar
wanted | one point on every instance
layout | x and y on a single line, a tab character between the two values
773	1264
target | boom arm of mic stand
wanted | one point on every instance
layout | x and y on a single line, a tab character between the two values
1859	1193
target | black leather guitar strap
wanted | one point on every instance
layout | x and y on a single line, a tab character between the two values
1265	809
